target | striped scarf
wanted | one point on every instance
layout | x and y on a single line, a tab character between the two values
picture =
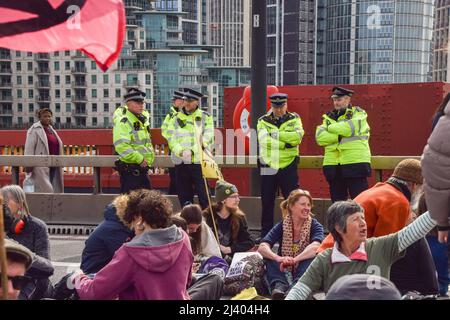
288	247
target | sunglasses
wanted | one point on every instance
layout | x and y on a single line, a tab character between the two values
18	282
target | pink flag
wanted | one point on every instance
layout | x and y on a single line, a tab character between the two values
96	27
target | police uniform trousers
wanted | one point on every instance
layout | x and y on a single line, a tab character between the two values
131	181
173	181
286	179
189	180
344	182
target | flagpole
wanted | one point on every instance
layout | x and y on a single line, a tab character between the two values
211	210
4	274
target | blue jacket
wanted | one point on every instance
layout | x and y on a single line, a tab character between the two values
101	245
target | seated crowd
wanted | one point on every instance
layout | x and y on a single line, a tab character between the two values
144	251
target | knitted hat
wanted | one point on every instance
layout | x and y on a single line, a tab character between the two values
363	287
12	246
409	170
224	190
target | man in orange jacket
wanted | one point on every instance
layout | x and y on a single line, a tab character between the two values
387	204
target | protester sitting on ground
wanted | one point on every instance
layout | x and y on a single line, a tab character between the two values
439	255
204	244
387	204
155	265
363	287
109	235
18	260
353	253
299	235
230	221
32	233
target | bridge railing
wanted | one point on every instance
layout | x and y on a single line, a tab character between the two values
97	162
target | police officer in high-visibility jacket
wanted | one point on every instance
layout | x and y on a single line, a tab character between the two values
193	131
132	141
177	104
345	135
279	136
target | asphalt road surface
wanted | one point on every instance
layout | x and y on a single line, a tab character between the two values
65	252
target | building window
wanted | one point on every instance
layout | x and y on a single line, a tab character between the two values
20	121
94	107
18	54
19	107
148	93
117	78
57	93
68	120
67	53
57	79
30	120
93	65
94	93
148	79
117	93
94	121
30	66
105	79
56	54
30	93
30	108
56	65
57	107
30	80
106	121
18	66
105	107
67	79
105	93
68	93
67	65
68	107
19	93
29	54
58	120
94	79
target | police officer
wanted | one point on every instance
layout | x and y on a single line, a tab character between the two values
345	135
279	135
193	131
132	141
177	103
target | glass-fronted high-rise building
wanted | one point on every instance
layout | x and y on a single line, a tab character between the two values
441	41
374	41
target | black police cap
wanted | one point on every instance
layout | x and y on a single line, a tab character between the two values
278	99
340	92
134	94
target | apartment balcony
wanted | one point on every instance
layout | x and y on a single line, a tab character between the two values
42	57
131	83
79	84
42	70
6	84
5	56
6	98
6	112
79	99
79	113
43	84
5	70
81	70
43	98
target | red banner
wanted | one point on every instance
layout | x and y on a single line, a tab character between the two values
96	27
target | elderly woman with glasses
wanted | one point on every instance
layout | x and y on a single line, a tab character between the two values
299	235
230	221
353	253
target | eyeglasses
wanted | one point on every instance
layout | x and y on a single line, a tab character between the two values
18	282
